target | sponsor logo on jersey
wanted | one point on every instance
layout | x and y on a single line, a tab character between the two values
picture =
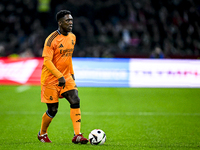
66	52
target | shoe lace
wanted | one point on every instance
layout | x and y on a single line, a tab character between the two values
44	135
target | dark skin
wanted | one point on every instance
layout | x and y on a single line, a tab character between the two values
65	25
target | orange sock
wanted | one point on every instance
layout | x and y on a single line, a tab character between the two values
46	120
75	114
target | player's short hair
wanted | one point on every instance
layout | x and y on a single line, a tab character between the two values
61	14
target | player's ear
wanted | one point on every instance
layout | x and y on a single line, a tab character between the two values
59	23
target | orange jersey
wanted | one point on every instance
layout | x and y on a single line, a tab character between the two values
58	49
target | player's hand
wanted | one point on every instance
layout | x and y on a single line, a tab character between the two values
73	77
61	82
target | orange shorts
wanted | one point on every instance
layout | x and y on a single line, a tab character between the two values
51	93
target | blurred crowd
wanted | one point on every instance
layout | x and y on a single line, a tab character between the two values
104	28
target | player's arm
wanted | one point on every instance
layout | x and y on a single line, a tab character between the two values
51	67
71	65
72	70
73	76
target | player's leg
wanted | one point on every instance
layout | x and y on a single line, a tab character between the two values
46	120
48	116
75	114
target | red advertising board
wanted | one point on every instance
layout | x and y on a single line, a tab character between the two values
20	71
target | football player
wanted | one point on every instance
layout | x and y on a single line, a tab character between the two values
57	78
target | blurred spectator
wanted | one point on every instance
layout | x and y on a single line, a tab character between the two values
157	53
26	54
2	50
132	29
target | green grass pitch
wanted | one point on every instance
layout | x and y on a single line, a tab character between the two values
132	118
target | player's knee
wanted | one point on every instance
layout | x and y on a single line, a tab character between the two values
52	112
75	103
72	97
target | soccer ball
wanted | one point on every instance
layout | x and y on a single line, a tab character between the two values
97	137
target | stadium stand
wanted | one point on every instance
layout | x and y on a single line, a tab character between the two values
119	28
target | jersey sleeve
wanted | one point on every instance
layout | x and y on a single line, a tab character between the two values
71	64
71	68
48	52
51	67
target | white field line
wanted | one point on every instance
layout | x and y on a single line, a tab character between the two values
105	113
22	88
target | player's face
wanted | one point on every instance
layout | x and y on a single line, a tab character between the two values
66	23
